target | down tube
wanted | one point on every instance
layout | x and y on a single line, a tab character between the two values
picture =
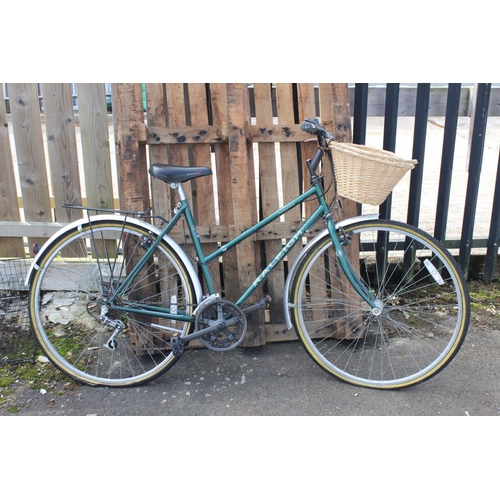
281	255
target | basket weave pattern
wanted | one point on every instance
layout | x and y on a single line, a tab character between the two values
365	174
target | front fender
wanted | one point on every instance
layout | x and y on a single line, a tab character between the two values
118	218
293	268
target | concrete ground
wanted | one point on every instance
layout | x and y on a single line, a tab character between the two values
281	380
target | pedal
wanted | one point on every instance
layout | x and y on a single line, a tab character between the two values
177	345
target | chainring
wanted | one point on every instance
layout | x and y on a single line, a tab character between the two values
232	325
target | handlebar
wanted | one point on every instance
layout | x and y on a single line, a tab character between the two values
312	126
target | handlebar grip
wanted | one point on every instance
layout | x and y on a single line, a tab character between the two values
309	126
313	127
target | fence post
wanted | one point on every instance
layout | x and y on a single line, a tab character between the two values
360	113
494	237
449	140
9	208
390	129
480	118
419	136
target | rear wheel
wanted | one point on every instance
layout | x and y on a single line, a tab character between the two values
425	306
86	336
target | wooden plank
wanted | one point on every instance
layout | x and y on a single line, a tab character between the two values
27	127
210	134
269	190
321	273
9	208
343	133
243	196
62	149
95	144
307	109
131	153
218	102
95	148
327	120
207	233
116	202
176	117
159	153
203	194
189	134
290	167
132	168
39	230
268	132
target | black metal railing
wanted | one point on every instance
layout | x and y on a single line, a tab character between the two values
479	119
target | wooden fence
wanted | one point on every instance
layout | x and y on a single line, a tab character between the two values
197	124
250	137
50	161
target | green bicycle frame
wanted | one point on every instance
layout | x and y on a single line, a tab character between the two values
183	209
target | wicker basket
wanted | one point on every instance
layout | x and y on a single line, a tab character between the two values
365	174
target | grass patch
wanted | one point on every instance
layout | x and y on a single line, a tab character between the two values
39	375
485	297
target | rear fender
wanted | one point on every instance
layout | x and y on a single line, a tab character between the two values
117	218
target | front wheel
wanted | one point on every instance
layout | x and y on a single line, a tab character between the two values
92	339
424	297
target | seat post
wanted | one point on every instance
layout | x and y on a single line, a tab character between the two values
178	186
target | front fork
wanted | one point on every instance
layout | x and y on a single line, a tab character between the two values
340	244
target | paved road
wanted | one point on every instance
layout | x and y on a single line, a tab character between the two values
280	379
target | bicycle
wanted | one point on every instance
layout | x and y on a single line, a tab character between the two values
115	301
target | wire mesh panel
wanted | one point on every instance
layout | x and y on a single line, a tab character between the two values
17	343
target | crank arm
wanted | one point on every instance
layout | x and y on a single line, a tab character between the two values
178	343
260	304
217	326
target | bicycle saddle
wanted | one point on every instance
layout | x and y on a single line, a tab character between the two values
171	173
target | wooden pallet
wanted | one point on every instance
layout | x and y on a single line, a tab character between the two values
258	163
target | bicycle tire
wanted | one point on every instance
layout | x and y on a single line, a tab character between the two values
424	319
67	301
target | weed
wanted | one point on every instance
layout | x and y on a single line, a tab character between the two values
6	379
